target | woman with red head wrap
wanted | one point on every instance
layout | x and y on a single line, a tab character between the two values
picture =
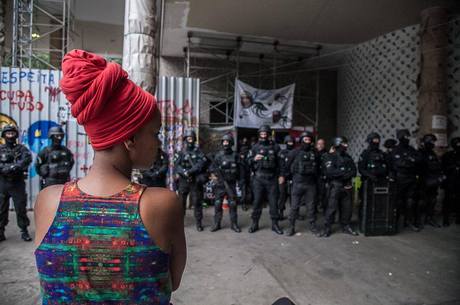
103	239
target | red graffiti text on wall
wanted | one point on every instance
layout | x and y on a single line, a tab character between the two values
53	93
24	100
174	114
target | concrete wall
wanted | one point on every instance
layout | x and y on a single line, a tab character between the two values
377	86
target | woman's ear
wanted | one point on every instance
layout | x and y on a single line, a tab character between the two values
130	143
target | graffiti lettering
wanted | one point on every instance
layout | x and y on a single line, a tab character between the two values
30	76
74	143
17	95
53	92
85	169
28	106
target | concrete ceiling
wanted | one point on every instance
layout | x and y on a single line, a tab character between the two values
102	11
327	22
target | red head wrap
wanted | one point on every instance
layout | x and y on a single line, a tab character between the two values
109	105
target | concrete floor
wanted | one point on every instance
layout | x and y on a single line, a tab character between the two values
225	268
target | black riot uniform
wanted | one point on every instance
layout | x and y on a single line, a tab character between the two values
340	170
229	171
451	167
246	192
404	163
373	164
54	162
321	200
263	159
431	177
190	166
285	187
156	175
14	163
303	168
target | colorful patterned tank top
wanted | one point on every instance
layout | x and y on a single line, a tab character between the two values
97	251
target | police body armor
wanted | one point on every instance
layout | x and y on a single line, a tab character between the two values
59	164
304	164
266	167
190	159
376	163
8	160
405	162
284	157
451	163
434	174
228	166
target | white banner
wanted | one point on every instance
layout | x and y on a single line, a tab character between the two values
255	107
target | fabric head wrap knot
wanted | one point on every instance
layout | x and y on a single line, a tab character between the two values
109	105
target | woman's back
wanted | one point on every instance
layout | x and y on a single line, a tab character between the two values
98	251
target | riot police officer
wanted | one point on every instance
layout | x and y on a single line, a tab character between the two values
246	192
451	167
372	162
284	188
321	152
229	171
303	167
14	163
431	177
340	170
404	162
190	166
54	162
156	175
263	159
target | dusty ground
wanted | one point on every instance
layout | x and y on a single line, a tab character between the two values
226	268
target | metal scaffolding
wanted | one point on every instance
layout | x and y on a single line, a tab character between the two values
41	32
272	57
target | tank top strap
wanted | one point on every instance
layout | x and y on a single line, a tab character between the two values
132	193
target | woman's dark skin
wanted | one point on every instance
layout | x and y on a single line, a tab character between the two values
160	209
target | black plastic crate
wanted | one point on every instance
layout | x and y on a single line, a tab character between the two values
378	213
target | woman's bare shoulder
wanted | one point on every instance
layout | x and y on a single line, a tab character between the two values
45	208
162	201
49	197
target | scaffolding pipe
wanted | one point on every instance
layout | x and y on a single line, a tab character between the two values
139	43
317	106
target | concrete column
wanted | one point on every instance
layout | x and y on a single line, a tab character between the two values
432	80
139	43
2	30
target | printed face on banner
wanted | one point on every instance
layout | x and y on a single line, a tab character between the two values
256	107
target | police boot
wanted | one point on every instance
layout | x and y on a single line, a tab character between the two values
313	228
414	228
348	230
254	227
199	226
326	232
291	230
445	221
2	235
430	221
235	227
25	235
276	228
216	226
